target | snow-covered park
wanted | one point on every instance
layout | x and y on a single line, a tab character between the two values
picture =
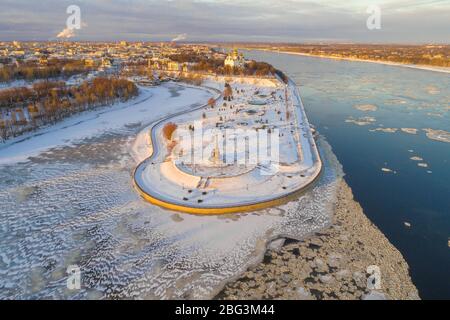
254	148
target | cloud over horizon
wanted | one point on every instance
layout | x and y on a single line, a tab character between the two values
66	33
229	20
180	37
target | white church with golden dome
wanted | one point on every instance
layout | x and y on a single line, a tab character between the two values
235	60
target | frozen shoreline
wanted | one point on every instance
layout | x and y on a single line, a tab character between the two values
330	264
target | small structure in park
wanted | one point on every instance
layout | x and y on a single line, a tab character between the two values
216	161
211	102
227	92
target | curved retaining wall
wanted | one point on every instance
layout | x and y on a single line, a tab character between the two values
220	210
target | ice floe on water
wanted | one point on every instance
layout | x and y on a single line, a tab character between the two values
387	170
432	90
438	135
409	130
363	121
420	162
366	107
435	114
396	102
385	130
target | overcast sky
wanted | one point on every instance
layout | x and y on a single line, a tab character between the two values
408	21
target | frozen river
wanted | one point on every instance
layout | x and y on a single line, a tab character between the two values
67	198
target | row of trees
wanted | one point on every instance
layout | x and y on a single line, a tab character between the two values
168	130
193	79
431	61
18	97
31	71
252	68
406	54
49	102
204	64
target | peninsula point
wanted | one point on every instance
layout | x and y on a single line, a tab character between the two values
250	147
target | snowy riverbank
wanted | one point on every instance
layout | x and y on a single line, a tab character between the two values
331	264
412	66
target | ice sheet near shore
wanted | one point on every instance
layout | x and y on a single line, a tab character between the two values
332	264
66	197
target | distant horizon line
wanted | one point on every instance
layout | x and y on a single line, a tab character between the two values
235	42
